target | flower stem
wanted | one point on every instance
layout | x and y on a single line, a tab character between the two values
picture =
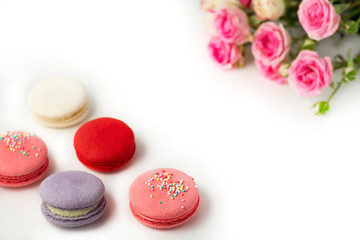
334	92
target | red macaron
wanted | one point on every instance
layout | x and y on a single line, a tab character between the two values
104	144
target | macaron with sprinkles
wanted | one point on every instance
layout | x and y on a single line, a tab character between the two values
104	144
23	158
72	198
163	198
59	102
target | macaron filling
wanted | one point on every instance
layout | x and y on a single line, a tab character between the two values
71	213
166	222
78	115
74	221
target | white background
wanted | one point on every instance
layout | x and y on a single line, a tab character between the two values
266	166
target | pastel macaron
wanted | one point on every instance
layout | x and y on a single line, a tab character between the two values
72	198
163	198
23	158
59	102
104	144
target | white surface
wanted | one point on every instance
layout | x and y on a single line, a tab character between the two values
266	167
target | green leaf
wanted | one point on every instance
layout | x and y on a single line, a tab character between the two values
254	21
340	8
322	107
309	47
351	76
308	44
352	27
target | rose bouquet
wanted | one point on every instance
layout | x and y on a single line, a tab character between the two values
283	35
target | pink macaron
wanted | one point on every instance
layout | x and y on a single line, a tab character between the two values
23	158
163	198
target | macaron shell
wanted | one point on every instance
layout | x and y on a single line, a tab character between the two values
25	180
57	97
146	201
168	223
104	144
21	154
110	166
77	221
72	190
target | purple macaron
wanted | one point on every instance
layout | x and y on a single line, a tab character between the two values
72	198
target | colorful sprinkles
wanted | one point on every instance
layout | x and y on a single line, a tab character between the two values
174	189
15	141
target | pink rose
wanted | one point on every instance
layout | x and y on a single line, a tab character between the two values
270	72
231	25
309	73
318	18
245	3
225	54
271	43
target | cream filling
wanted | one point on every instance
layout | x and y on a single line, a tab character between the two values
162	221
71	213
65	121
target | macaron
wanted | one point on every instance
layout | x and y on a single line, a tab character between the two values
59	102
104	144
163	198
23	158
72	198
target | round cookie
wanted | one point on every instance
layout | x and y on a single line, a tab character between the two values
163	198
23	158
104	144
59	102
72	198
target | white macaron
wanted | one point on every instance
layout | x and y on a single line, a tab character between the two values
59	102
